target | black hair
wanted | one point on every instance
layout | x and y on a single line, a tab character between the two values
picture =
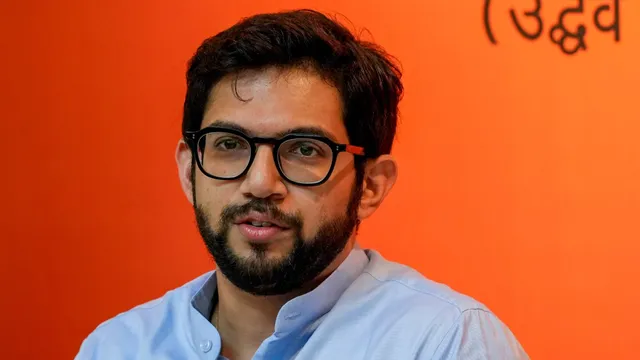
363	73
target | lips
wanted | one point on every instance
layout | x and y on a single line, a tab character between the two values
256	219
260	228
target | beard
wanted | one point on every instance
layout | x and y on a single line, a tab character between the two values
259	275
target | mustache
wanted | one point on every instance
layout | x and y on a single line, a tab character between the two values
263	206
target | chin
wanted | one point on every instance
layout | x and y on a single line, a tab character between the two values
246	250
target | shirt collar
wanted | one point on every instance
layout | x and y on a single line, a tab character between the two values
302	310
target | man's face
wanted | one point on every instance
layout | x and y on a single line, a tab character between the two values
314	224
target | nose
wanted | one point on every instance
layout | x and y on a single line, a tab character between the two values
263	179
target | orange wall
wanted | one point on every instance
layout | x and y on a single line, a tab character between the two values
520	166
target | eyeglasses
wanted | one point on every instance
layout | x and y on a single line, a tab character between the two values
302	159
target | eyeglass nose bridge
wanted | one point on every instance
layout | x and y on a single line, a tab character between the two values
255	142
260	140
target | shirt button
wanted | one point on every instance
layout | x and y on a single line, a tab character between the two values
205	345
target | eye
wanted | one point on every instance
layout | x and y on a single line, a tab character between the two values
305	149
228	143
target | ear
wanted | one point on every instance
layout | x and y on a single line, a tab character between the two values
380	176
184	162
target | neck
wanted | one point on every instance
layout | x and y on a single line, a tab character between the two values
245	320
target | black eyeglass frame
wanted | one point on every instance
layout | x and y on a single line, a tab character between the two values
193	137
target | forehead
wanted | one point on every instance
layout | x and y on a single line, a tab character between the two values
273	101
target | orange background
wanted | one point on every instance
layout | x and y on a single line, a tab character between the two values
519	183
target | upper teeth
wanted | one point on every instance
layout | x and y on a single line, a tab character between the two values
260	223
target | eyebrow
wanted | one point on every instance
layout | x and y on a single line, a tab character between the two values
300	130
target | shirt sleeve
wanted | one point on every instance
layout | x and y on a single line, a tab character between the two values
478	334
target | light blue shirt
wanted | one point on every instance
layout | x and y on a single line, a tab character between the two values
368	309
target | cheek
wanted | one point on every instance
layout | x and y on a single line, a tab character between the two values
319	207
211	196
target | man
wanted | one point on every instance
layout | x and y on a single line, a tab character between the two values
287	130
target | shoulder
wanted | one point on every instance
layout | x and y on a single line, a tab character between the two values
122	335
453	324
401	282
476	334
